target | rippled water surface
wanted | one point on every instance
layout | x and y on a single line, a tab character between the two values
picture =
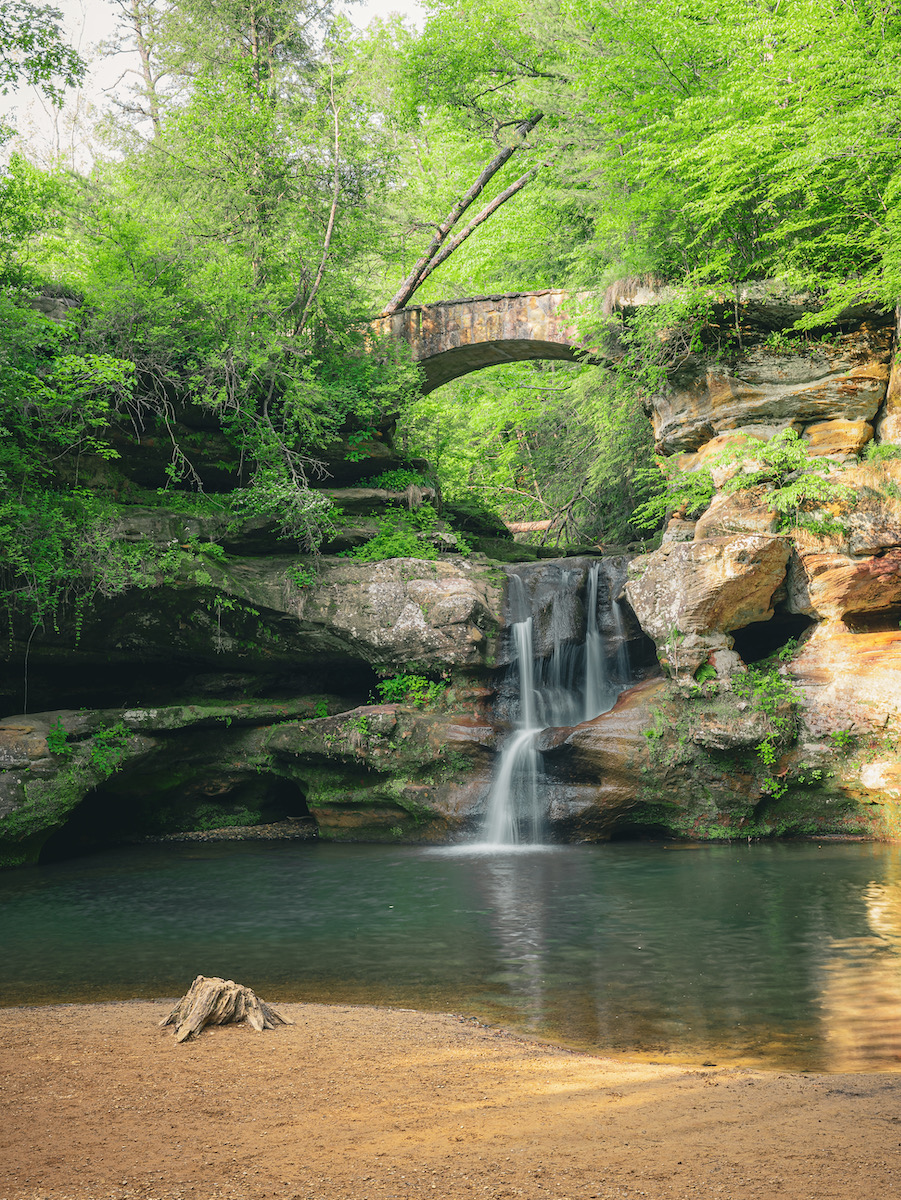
777	954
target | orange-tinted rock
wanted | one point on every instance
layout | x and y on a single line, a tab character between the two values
21	744
707	456
705	398
849	679
733	513
595	772
679	530
337	817
838	436
832	585
707	587
889	426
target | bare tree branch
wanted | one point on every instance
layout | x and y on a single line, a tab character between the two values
336	188
423	267
447	250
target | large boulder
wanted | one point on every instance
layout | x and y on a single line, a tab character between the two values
732	513
280	613
850	679
689	596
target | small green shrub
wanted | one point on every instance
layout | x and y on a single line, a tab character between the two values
108	747
774	695
358	725
303	576
57	739
301	514
796	482
410	689
397	480
356	441
881	451
400	535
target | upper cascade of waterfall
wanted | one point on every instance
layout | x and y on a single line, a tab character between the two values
568	661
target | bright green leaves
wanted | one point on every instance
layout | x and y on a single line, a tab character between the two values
673	491
301	514
731	141
470	59
59	550
80	396
29	200
798	485
411	689
32	50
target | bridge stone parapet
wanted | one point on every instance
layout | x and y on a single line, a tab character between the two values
454	337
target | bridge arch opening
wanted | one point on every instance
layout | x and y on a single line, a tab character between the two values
464	360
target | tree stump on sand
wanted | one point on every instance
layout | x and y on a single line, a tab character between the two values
220	1002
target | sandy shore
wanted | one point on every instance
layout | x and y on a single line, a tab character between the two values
98	1102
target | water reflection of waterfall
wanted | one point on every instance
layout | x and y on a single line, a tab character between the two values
570	682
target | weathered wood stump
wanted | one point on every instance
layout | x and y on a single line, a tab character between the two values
220	1002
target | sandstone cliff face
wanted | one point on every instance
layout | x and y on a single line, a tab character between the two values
810	734
689	596
832	390
314	634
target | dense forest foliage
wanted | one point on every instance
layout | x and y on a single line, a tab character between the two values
274	178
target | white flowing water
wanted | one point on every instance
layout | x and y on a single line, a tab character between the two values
623	666
598	693
569	685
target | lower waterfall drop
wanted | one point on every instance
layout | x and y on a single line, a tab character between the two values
569	685
514	814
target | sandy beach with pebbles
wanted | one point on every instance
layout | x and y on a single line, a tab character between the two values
365	1103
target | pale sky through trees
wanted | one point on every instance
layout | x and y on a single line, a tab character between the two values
49	133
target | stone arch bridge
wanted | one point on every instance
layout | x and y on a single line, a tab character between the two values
454	337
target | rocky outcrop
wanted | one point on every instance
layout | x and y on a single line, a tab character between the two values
832	586
803	705
690	596
662	764
831	389
377	771
267	625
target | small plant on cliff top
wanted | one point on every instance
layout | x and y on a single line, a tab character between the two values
881	451
397	480
303	576
57	739
400	535
108	748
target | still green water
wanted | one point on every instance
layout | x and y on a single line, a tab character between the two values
784	954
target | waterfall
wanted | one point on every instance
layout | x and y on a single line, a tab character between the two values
623	666
598	694
565	685
513	805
